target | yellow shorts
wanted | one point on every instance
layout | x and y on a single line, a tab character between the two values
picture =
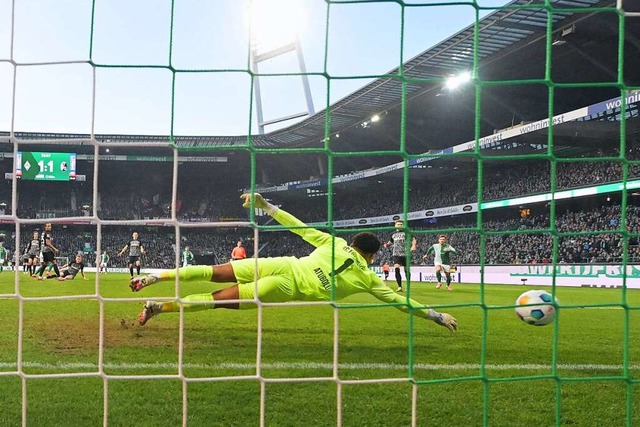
274	281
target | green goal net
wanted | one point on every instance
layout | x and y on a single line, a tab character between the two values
511	128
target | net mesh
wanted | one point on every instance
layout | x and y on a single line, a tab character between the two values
421	388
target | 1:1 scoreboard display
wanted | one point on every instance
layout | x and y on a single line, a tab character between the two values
40	166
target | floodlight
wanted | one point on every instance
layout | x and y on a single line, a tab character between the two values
568	30
560	38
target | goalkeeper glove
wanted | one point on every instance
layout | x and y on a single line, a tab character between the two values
258	202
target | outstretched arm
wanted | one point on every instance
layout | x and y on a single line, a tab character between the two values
310	235
385	294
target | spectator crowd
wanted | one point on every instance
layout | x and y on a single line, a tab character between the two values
591	233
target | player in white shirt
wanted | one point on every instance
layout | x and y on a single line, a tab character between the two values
442	259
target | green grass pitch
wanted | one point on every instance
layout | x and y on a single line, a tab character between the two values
592	375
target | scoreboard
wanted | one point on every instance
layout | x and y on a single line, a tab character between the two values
41	166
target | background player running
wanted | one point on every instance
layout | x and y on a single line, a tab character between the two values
442	259
333	268
135	252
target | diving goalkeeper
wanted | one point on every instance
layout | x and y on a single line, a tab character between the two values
285	279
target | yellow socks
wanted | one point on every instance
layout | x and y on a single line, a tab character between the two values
174	306
194	273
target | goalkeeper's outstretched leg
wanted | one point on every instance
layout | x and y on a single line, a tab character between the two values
224	298
207	273
272	287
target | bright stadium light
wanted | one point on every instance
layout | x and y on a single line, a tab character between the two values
274	23
375	118
455	82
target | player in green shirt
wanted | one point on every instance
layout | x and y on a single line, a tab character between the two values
104	262
284	279
187	257
3	256
442	259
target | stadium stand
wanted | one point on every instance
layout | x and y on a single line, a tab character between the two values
138	190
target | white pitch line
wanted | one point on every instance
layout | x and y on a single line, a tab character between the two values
313	365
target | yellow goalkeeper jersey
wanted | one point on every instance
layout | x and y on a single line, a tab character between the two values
316	274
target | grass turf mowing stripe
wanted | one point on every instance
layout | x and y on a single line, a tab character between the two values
312	365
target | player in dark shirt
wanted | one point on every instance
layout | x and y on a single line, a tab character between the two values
70	270
48	252
399	252
32	252
135	252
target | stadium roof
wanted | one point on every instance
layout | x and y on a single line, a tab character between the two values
516	26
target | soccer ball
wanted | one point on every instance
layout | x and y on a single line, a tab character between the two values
540	314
